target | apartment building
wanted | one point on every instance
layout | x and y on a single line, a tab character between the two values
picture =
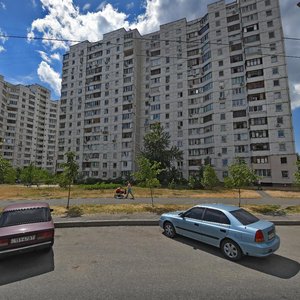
28	123
217	84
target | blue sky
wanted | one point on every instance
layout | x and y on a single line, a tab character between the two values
26	62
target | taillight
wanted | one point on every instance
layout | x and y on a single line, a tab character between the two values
3	242
45	235
259	236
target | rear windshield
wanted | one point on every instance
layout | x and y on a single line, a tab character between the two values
25	216
244	217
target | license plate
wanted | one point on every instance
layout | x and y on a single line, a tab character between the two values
271	235
22	239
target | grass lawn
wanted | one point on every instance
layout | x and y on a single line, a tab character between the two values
283	194
162	208
20	192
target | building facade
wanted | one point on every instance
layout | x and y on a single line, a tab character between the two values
217	84
28	123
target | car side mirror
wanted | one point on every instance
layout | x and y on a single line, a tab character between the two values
182	215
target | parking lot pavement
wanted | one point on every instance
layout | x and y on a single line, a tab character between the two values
141	263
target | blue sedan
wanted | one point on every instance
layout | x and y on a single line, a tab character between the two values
233	229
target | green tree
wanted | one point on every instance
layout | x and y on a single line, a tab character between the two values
30	175
195	180
209	179
70	172
156	148
7	173
240	175
297	173
147	174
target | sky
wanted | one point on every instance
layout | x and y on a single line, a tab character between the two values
26	61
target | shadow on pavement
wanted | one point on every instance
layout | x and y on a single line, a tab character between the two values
274	265
23	266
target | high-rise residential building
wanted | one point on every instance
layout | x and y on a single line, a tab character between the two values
28	123
218	85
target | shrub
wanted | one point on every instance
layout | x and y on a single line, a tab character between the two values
100	186
74	211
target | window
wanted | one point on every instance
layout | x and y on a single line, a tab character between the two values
269	13
278	107
239	113
280	133
279	120
212	215
275	71
251	39
220	63
282	147
195	213
285	174
276	82
244	217
271	35
272	47
283	160
274	59
236	58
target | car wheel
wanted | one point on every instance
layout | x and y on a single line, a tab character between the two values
169	230
231	250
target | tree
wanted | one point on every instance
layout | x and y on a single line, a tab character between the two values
7	173
147	174
209	179
156	148
297	173
29	174
195	180
240	175
70	172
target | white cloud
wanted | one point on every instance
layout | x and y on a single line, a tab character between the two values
2	5
34	3
2	49
130	5
86	6
55	56
44	56
101	5
48	75
296	98
64	21
2	38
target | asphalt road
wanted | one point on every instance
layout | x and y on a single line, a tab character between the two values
191	201
141	263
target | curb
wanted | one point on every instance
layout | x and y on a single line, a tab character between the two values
102	223
106	223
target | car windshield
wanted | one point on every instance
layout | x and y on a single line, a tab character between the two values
25	216
244	217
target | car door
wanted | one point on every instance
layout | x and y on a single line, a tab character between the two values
214	226
190	224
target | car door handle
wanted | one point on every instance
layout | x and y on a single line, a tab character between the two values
222	230
196	224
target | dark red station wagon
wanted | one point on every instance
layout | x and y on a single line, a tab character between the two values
26	227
